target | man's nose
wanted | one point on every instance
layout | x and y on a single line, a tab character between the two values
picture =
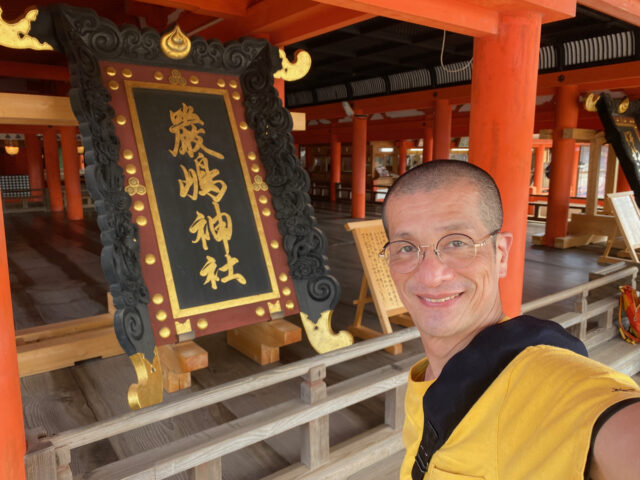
431	270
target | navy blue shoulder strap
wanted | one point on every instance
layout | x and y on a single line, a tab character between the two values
471	371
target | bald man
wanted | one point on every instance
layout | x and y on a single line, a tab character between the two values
495	398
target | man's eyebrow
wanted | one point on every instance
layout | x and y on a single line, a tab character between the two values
445	230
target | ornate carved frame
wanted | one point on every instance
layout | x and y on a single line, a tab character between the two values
86	39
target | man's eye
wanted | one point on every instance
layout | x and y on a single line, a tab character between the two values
403	249
455	244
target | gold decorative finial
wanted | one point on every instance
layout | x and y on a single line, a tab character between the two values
175	44
590	102
16	34
295	70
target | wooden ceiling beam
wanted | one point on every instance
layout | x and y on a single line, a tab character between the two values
627	10
611	77
285	22
212	8
451	15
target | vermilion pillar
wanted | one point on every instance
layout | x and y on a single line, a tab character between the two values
442	130
567	108
12	440
402	156
71	164
336	163
359	166
33	148
53	170
623	183
427	143
503	96
574	171
538	174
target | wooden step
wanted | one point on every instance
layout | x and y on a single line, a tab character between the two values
619	355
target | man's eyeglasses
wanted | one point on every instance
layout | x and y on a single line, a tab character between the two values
455	250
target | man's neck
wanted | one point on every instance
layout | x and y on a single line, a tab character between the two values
440	350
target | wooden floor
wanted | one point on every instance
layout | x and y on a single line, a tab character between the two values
56	275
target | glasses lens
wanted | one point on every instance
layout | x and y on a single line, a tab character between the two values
402	256
456	250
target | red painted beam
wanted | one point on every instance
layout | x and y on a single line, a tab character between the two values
212	8
457	16
34	70
627	10
285	22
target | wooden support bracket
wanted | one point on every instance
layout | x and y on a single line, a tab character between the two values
261	342
178	361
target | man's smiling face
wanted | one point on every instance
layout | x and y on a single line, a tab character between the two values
447	303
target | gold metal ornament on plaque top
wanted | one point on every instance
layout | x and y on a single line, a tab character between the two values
295	70
16	34
590	102
175	44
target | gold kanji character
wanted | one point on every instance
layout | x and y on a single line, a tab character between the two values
190	182
210	273
221	227
231	275
199	227
188	136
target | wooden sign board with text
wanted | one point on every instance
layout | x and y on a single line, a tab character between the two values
370	237
627	215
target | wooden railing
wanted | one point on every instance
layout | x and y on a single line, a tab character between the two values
202	453
25	200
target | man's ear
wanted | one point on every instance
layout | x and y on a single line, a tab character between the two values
503	245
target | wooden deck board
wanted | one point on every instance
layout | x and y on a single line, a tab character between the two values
54	401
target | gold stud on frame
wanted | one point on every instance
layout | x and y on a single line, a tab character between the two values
274	244
255	168
221	83
243	125
111	71
149	259
260	311
138	206
158	76
121	120
161	315
141	220
283	277
235	95
127	73
251	156
202	324
286	291
127	154
266	212
233	84
263	199
289	305
130	169
157	299
113	85
194	80
164	332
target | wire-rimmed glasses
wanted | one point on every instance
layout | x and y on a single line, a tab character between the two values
455	250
